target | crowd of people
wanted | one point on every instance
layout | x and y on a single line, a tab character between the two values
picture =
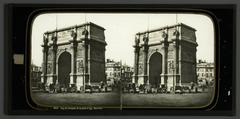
125	88
63	88
162	88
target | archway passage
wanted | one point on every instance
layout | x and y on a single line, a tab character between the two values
155	69
64	69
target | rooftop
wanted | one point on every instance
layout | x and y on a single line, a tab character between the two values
167	27
71	27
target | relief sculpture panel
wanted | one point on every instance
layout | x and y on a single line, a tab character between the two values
80	66
49	68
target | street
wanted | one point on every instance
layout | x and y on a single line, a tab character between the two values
166	100
77	99
128	99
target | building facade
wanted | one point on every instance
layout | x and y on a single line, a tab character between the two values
71	55
116	71
166	56
205	72
113	71
127	74
36	72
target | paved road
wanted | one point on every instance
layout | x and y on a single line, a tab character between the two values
166	100
128	100
77	99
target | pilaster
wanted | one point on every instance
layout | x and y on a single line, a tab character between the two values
45	60
176	45
145	57
54	76
136	59
164	76
73	58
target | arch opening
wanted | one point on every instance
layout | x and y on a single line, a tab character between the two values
155	69
64	69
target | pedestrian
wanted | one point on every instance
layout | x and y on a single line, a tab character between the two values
51	87
56	87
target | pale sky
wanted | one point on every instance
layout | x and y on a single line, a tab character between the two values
121	29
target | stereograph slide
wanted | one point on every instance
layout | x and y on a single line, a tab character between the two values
122	60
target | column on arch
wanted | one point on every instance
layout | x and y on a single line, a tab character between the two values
164	74
44	64
73	56
145	57
136	59
54	75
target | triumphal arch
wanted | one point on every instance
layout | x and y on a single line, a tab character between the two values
74	56
166	56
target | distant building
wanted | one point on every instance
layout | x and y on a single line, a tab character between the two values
115	71
36	72
205	72
127	73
